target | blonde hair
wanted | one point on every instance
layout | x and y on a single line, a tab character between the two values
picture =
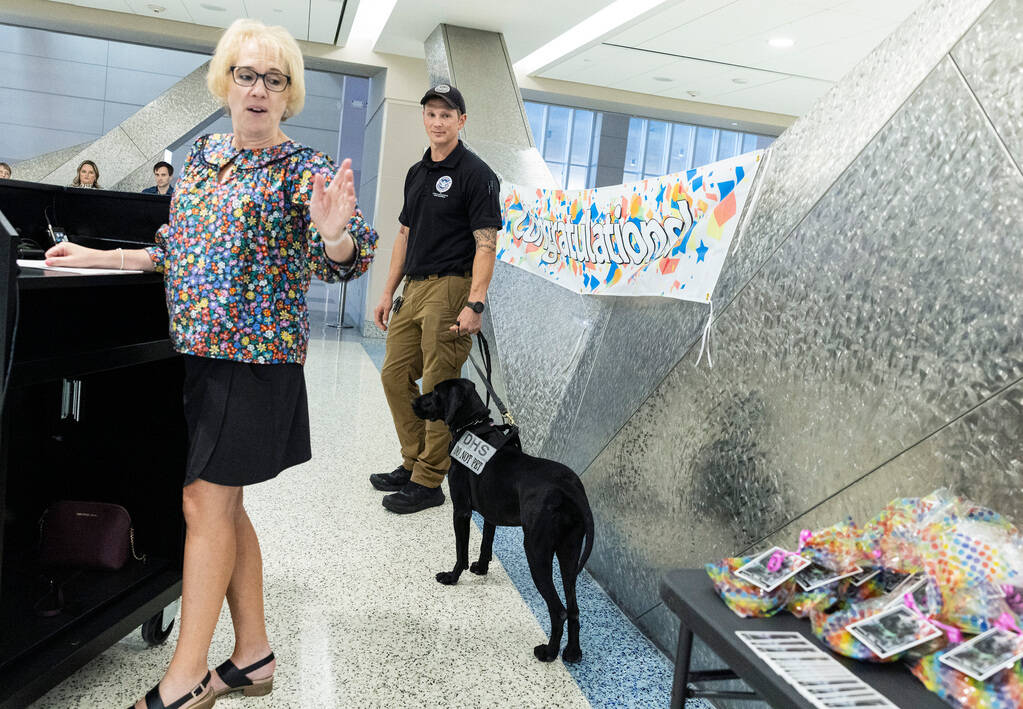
276	42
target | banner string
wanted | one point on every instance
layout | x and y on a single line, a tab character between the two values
705	340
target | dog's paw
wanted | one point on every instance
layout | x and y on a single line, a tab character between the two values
479	568
571	654
544	655
447	578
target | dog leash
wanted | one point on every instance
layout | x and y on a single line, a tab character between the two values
485	376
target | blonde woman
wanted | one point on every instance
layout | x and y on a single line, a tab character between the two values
238	313
87	175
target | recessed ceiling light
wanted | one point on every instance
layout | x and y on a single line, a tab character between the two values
211	7
156	8
597	25
781	42
370	19
662	78
740	81
694	94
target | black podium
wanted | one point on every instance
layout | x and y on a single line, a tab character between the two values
92	411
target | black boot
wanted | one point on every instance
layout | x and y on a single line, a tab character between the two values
392	481
413	498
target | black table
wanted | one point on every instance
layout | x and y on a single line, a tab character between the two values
690	594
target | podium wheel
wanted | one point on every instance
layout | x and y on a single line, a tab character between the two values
154	632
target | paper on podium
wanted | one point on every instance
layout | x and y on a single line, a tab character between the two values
30	263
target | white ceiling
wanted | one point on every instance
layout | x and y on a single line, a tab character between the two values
412	21
713	51
311	20
717	51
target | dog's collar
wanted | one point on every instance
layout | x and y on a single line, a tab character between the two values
472	424
484	425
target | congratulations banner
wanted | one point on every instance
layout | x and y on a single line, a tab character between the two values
663	236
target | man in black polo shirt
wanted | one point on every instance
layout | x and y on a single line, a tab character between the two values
445	250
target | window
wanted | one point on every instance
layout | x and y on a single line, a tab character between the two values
634	149
728	144
706	139
658	148
656	143
568	139
681	147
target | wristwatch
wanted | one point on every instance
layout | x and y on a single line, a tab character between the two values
476	306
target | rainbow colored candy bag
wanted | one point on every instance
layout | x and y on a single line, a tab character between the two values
840	546
894	535
745	599
871	588
830	628
1003	690
803	602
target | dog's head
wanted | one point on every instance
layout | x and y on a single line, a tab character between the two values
453	401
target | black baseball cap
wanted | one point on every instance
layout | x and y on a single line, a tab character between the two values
448	94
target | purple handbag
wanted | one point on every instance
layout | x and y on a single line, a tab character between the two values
86	535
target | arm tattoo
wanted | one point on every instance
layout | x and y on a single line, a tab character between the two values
486	239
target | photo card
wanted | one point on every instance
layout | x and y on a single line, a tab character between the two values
916	585
863	576
892	630
986	654
891	579
764	572
815	575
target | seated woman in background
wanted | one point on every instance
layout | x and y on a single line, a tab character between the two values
5	171
87	175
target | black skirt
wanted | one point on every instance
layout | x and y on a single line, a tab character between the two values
246	422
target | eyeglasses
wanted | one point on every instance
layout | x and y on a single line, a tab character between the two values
272	80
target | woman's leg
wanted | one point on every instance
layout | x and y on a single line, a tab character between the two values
210	515
245	598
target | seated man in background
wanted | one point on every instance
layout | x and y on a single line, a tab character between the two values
5	171
162	171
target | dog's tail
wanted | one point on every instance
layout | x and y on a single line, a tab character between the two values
578	496
588	546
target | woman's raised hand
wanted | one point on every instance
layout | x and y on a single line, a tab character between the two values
331	207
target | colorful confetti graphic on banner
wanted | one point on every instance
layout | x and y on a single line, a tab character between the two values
664	236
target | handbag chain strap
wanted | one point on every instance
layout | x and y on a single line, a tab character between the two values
131	539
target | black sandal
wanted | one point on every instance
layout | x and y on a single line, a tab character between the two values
153	700
237	680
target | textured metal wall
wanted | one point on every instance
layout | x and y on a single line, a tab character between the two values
877	351
635	345
868	332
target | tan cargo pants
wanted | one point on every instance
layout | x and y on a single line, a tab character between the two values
419	344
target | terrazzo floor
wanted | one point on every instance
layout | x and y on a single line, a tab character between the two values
354	614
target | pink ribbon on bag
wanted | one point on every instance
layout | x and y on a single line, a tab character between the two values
1012	596
775	562
955	636
804	538
1006	622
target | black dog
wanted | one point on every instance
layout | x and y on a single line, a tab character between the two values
514	489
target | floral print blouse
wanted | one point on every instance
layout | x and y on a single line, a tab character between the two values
238	257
